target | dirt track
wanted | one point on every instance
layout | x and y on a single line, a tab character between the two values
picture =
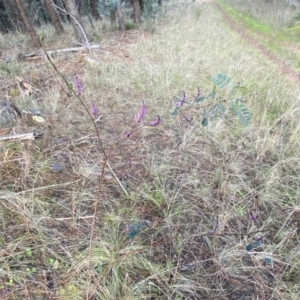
280	63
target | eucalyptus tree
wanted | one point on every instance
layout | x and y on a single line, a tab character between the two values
94	8
29	27
75	19
54	16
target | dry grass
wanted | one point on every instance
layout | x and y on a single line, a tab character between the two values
196	186
279	13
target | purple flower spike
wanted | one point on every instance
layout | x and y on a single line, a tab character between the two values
141	114
187	118
156	122
198	94
180	103
78	85
253	217
128	134
94	109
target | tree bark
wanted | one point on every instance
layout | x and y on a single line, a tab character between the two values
76	22
54	17
136	12
121	19
94	8
113	16
29	27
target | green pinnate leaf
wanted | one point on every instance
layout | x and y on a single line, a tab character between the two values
211	95
204	122
268	260
242	112
134	229
217	111
175	112
257	244
249	247
220	80
200	99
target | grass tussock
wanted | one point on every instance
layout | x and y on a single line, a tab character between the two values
180	201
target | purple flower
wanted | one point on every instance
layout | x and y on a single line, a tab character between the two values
78	85
4	292
128	134
198	94
142	113
187	118
260	239
180	103
253	217
94	109
156	122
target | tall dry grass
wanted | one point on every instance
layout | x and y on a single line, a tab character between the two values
194	187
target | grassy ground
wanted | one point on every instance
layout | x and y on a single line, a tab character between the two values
185	211
274	25
279	14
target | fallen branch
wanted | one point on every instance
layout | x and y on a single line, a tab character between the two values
42	53
22	136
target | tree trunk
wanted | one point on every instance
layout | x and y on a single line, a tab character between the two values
113	16
29	27
159	2
62	6
14	15
54	17
76	22
136	12
121	19
94	8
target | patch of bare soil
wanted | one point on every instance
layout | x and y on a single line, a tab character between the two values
242	30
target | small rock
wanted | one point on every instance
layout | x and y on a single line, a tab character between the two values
55	167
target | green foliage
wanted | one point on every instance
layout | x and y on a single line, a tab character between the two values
241	111
220	107
70	291
106	6
268	260
151	9
257	244
10	68
217	111
151	13
220	80
31	271
28	252
198	11
204	122
253	245
129	25
134	229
